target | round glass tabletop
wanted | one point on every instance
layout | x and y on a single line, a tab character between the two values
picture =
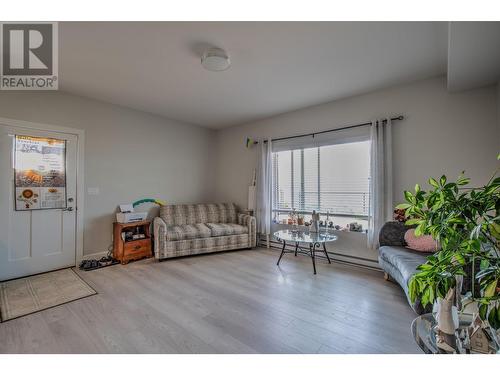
304	236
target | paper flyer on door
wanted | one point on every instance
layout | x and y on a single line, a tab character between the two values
40	173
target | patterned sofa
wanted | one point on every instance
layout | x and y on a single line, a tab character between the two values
190	229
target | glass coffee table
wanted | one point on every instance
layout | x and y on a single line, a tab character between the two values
315	242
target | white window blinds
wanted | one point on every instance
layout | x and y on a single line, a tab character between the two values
329	178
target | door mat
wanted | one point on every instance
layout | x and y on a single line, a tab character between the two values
28	295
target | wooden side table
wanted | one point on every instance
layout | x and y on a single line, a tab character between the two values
127	250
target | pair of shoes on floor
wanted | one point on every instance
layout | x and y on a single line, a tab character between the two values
106	261
90	264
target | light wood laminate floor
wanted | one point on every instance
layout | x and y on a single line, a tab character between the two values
232	302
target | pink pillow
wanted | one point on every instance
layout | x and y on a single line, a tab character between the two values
423	243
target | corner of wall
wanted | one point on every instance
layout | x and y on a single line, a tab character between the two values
498	106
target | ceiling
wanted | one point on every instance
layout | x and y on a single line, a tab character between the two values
276	66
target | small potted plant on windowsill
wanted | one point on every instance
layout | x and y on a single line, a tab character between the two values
466	223
300	219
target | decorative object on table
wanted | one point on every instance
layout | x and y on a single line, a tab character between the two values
468	236
479	339
314	222
315	241
135	247
355	227
293	215
446	311
300	219
292	219
424	331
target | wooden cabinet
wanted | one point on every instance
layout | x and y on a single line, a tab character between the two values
125	249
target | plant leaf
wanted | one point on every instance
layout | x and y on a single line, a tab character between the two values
483	309
403	206
442	180
433	182
490	289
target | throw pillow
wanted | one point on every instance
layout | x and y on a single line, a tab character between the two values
423	243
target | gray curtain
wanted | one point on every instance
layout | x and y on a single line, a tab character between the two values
263	207
381	204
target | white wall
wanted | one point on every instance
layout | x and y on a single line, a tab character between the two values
129	155
498	106
442	133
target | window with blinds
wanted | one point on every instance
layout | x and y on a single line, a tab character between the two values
331	179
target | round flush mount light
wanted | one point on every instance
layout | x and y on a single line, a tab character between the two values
215	59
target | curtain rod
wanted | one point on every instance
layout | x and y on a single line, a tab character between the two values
401	117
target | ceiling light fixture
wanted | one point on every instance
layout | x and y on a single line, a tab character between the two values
215	59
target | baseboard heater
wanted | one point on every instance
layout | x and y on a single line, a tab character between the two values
351	259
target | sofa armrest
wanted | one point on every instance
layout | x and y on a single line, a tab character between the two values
392	233
251	223
160	235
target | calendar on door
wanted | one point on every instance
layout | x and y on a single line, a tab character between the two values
40	173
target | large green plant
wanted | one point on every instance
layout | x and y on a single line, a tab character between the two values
466	223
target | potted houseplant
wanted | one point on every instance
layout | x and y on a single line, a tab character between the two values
466	223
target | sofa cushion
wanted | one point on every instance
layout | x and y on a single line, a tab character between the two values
392	233
404	260
219	213
423	243
178	214
187	231
182	214
226	229
227	213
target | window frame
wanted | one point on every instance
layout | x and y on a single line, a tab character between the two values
275	202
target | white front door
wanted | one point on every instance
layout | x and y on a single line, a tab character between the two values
36	240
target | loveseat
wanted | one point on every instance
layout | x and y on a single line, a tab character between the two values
398	262
189	229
